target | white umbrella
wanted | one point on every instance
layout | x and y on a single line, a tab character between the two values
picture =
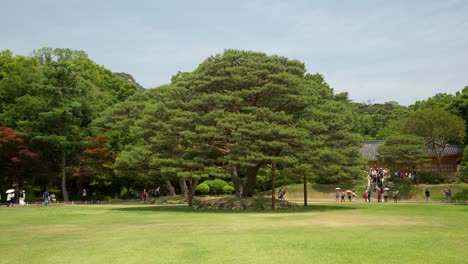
386	189
10	191
337	188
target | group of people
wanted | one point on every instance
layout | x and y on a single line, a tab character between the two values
447	195
11	197
351	194
84	195
48	198
382	196
376	178
146	196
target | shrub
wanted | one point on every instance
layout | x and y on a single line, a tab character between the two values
216	186
196	201
227	189
431	177
462	195
261	204
203	188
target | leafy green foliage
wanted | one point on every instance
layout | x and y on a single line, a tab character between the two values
371	118
203	188
216	185
403	152
53	96
228	189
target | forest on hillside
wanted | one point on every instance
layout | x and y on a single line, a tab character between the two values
67	123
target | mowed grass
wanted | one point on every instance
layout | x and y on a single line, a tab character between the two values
321	233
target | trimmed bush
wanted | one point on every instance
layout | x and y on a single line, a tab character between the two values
216	186
227	189
203	188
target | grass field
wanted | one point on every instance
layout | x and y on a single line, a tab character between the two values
321	233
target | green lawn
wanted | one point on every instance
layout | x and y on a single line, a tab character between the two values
321	233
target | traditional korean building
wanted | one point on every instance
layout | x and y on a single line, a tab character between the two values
453	154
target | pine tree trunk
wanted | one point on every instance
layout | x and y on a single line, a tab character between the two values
251	181
305	190
273	178
169	188
236	181
64	176
191	190
183	187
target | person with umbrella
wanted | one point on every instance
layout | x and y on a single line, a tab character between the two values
10	196
348	194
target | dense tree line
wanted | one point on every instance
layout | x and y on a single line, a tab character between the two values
66	121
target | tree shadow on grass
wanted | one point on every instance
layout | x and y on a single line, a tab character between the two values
186	209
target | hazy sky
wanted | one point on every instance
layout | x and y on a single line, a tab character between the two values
375	50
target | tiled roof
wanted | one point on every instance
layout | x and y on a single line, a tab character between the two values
369	149
449	150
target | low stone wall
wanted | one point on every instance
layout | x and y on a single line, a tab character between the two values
236	204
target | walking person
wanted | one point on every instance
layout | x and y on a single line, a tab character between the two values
157	193
354	197
9	198
395	196
45	196
428	195
385	195
22	197
83	195
343	197
337	195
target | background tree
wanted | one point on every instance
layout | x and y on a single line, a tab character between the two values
236	113
56	102
403	152
371	118
438	127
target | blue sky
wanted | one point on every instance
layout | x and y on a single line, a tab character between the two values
375	50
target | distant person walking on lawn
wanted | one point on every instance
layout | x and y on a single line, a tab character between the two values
343	197
83	195
395	196
281	194
428	195
337	195
45	196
